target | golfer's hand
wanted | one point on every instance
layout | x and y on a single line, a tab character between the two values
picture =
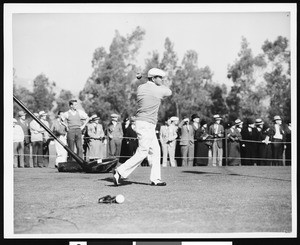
167	83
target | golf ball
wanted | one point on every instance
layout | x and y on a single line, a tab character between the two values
120	198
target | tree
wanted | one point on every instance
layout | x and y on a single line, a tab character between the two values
244	100
169	65
109	88
43	93
26	97
188	87
62	101
277	77
218	105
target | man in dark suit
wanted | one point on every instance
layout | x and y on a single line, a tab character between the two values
249	146
26	129
217	131
261	143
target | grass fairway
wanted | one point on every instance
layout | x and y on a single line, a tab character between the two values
195	200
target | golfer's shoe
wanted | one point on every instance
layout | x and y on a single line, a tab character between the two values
158	183
116	177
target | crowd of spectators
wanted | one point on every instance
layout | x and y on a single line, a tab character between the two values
187	142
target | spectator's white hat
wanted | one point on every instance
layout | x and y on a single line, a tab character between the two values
217	117
42	113
237	121
258	121
94	117
277	118
174	118
156	72
15	120
114	115
21	113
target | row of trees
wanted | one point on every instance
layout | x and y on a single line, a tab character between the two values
261	84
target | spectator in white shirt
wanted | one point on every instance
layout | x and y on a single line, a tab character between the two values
18	139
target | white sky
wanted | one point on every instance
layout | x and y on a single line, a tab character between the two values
61	45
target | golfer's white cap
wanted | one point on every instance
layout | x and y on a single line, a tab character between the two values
156	72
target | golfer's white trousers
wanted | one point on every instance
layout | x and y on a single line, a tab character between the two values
148	147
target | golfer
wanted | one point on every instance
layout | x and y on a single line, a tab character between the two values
149	96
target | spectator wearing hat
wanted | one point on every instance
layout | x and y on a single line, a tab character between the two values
60	129
27	141
288	139
36	132
203	144
46	139
73	118
168	135
249	143
18	139
129	142
195	121
234	149
95	139
277	136
262	142
149	96
115	136
187	140
217	132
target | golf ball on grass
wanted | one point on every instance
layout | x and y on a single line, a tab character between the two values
120	198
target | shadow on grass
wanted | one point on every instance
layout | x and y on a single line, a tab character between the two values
123	182
228	172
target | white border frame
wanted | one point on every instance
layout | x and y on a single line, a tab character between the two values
10	9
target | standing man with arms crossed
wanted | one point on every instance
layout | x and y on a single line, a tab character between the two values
149	96
73	118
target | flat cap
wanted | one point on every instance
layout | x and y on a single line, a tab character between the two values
156	72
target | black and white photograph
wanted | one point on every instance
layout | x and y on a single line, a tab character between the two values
137	121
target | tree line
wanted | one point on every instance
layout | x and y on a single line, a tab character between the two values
261	84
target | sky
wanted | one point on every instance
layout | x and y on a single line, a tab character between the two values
61	45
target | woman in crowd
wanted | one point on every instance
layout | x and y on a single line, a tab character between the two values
94	139
234	136
129	142
203	143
